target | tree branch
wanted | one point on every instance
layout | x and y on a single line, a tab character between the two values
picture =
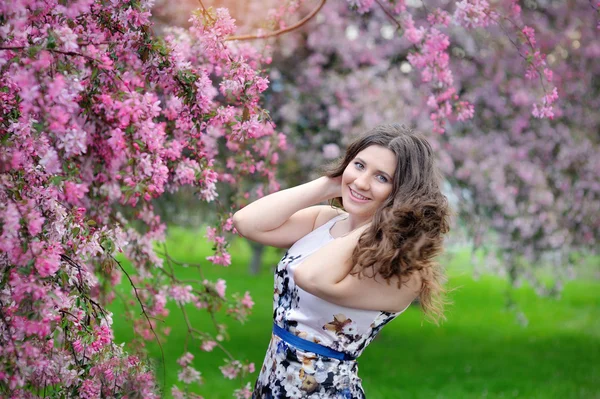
55	51
389	14
281	31
162	352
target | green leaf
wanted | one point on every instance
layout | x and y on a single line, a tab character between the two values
51	43
108	245
55	180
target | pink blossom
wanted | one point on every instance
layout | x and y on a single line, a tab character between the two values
465	110
74	192
247	300
177	393
77	346
474	13
11	219
224	25
230	371
211	233
182	294
35	220
185	359
49	161
73	141
89	389
220	286
109	374
223	259
243	393
228	226
529	34
439	17
188	375
48	261
413	34
208	346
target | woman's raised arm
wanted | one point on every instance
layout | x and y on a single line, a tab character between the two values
282	218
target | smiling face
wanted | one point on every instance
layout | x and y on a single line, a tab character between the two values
367	181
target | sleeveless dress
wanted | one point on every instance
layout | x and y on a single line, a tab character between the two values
290	372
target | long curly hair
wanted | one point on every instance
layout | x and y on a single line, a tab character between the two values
406	233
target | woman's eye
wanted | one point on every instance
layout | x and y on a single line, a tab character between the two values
382	179
358	165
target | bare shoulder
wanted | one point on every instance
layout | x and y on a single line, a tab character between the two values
397	298
326	213
413	283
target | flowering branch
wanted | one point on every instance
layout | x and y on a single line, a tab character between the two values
72	53
295	26
162	353
389	14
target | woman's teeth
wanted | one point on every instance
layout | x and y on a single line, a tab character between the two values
357	195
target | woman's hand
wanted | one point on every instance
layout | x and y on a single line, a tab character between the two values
334	186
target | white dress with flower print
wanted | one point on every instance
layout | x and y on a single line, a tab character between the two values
290	372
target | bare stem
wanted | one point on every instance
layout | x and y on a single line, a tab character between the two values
74	53
162	353
202	5
281	31
389	14
516	46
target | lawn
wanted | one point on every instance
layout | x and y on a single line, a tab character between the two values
482	351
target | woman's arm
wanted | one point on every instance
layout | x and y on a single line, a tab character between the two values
280	219
330	264
325	274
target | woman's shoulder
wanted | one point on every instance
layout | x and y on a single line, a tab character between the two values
326	213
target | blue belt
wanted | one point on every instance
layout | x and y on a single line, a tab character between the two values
308	345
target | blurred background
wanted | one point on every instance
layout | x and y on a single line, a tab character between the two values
522	255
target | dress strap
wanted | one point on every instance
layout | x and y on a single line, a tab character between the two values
335	219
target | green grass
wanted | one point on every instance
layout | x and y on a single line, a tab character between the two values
482	351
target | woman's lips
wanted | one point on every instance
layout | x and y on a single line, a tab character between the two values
353	195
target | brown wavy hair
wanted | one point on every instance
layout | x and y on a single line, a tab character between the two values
407	230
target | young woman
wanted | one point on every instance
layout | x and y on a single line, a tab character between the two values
352	268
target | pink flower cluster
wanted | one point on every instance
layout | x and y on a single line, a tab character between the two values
537	68
98	118
221	256
432	59
232	369
474	13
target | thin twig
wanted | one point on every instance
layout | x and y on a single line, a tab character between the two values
389	14
162	353
55	51
190	329
166	255
202	5
540	74
281	31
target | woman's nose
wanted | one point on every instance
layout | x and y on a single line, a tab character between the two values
362	182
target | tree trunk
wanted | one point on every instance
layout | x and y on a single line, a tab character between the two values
257	253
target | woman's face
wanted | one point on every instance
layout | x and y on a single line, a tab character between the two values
367	181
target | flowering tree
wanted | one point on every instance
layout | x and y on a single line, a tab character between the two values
98	118
484	79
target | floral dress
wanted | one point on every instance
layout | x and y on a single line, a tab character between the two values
290	372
